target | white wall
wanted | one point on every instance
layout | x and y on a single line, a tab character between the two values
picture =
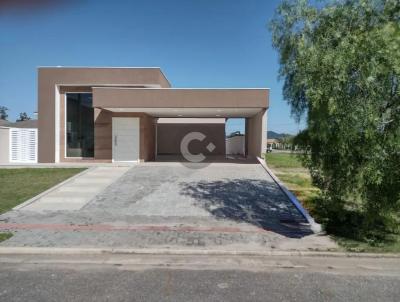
4	145
235	145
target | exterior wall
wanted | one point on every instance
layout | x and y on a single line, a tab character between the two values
4	145
53	83
235	145
256	132
109	97
169	137
103	135
50	78
103	130
148	126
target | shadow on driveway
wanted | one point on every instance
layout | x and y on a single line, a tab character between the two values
258	202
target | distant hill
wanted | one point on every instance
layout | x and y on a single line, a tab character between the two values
273	134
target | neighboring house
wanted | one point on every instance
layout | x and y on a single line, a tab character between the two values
281	144
116	114
18	142
3	122
274	143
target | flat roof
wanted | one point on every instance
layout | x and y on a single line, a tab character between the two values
85	75
120	97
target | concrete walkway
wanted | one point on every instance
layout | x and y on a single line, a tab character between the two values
75	193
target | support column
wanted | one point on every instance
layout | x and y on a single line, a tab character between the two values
256	134
246	137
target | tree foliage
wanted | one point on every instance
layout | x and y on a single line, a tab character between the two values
3	113
23	116
340	63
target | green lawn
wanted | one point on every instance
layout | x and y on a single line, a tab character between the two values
288	168
283	160
18	185
5	236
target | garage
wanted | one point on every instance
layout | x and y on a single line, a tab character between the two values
172	131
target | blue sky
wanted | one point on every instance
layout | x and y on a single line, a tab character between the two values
197	43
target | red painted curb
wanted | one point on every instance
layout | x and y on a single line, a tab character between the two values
133	228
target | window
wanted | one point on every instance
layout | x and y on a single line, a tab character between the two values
80	125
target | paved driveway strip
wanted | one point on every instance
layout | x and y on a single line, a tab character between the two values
77	192
170	205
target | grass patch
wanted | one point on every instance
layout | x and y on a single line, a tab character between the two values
18	185
288	168
5	236
390	246
283	160
297	181
301	186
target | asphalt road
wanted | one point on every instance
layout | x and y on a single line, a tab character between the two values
129	280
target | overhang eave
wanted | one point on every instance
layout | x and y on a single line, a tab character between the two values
120	97
191	112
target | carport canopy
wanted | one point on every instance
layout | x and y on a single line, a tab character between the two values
249	103
171	102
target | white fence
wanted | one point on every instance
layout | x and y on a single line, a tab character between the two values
23	145
235	145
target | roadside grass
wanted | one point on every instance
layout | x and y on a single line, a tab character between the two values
288	168
389	246
283	160
18	185
300	185
5	236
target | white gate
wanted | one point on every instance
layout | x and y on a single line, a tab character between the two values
23	145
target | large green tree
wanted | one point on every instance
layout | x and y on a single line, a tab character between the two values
340	63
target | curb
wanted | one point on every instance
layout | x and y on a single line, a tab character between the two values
164	251
315	227
53	188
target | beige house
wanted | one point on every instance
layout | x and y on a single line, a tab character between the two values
274	143
133	114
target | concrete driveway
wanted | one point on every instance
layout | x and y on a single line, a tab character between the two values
220	206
